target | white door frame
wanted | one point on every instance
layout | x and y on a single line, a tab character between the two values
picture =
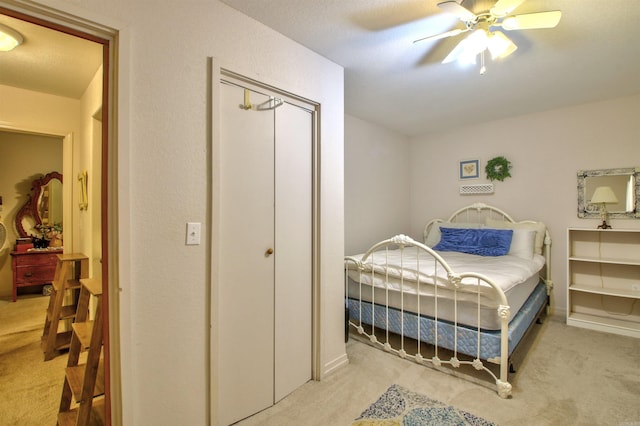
116	34
218	73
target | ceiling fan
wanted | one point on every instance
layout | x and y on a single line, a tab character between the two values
483	23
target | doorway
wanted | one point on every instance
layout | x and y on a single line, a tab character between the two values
90	226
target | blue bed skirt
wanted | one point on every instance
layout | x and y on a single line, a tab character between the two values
467	337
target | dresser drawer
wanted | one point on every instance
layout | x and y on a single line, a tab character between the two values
35	275
37	259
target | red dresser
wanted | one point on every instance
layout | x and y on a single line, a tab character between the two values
33	268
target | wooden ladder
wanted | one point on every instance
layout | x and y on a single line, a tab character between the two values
84	383
70	268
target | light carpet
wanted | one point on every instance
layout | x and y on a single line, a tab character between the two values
30	387
402	407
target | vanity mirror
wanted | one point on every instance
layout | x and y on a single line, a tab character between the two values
625	184
43	207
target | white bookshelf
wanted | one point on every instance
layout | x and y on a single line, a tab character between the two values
603	280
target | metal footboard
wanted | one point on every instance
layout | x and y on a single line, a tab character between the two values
374	312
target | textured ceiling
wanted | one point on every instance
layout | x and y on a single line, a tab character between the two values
49	61
593	54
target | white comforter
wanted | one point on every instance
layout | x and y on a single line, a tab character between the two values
402	272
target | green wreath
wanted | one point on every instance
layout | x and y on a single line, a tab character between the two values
498	169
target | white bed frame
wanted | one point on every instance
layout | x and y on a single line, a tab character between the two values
475	213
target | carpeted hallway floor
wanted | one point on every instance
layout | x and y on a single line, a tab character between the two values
570	377
30	387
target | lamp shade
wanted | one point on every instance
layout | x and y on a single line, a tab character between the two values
603	194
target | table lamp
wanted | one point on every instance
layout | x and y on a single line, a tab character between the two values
603	195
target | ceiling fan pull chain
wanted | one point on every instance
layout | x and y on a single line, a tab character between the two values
483	69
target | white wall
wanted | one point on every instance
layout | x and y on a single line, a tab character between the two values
377	184
87	156
546	151
170	185
164	152
38	112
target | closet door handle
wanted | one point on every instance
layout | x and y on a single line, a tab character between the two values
269	252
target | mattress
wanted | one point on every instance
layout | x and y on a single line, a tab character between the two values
467	338
404	280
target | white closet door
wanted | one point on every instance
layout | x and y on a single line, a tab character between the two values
293	225
246	273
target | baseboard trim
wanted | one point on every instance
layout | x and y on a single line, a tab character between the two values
334	365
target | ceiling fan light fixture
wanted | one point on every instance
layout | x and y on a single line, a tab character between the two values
510	23
479	41
467	58
480	17
475	43
9	38
500	46
467	50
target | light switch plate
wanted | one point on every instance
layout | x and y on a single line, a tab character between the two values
193	233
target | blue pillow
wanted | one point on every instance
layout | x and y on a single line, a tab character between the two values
483	242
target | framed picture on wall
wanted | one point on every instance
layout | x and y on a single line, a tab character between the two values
469	169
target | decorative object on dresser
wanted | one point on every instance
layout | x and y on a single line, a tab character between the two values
603	280
466	298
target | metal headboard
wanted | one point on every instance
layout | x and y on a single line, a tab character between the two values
478	213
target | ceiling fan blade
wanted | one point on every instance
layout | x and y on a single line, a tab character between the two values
504	7
451	33
532	20
455	53
454	8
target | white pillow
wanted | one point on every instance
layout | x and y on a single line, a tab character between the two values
433	237
538	227
522	243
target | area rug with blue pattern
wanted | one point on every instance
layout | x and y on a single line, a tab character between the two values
402	407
